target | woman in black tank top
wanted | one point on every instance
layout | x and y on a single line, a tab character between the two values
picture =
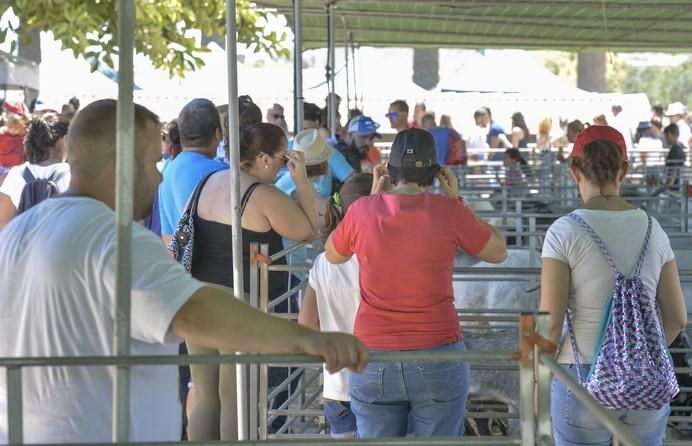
268	215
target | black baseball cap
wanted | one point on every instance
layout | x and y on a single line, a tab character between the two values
413	148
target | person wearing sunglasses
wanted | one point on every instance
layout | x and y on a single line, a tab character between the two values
398	115
275	115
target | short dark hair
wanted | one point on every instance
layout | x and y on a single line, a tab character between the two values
487	110
480	112
198	121
673	130
422	176
311	112
400	105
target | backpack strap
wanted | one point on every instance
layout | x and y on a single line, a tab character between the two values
246	196
28	176
596	239
638	270
573	340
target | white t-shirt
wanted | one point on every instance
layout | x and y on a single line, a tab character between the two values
338	297
646	142
591	280
14	182
57	269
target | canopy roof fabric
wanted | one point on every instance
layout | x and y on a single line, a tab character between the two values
577	25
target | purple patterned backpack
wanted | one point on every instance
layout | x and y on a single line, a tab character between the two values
632	368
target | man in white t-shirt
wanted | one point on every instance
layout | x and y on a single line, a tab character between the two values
58	273
676	112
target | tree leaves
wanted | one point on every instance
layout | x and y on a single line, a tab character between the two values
166	31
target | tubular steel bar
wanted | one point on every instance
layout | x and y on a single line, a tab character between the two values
298	65
247	358
544	431
263	369
437	441
236	231
332	70
609	421
526	381
15	422
124	189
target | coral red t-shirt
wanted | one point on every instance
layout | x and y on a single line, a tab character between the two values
406	246
11	148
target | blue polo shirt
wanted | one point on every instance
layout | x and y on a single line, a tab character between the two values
180	178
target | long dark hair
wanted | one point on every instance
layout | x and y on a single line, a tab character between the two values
42	136
355	187
519	121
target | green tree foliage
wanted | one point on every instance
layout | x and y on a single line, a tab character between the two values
162	32
661	84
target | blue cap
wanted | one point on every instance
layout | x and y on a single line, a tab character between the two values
364	125
643	125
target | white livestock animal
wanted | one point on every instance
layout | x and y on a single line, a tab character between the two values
499	294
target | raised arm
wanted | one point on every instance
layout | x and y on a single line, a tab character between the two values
214	318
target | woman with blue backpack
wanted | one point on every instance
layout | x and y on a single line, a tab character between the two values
610	283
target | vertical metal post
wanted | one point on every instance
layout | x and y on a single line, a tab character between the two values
332	65
15	414
234	158
124	188
355	77
346	59
533	238
504	207
298	64
526	381
264	370
254	368
543	376
518	222
684	206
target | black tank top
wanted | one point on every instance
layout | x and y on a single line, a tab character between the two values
213	252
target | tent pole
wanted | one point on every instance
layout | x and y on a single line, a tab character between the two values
298	65
332	67
346	58
234	159
125	149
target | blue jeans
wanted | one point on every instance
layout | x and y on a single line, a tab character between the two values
433	394
574	425
341	420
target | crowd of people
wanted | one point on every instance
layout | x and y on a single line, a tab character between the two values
384	280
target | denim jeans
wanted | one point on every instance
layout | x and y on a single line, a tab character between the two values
341	420
433	394
574	425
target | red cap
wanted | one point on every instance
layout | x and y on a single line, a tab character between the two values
597	132
15	107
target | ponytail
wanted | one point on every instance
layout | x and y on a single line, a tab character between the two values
355	187
332	216
42	136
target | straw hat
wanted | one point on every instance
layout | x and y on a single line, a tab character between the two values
676	108
312	145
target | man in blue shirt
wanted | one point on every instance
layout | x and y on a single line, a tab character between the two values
497	138
200	133
339	168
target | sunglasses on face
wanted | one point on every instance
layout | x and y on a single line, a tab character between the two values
392	115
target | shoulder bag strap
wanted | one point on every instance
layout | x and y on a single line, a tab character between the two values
194	198
246	197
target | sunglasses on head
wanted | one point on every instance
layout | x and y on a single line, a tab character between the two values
392	115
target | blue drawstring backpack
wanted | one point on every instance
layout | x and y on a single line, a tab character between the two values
632	368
